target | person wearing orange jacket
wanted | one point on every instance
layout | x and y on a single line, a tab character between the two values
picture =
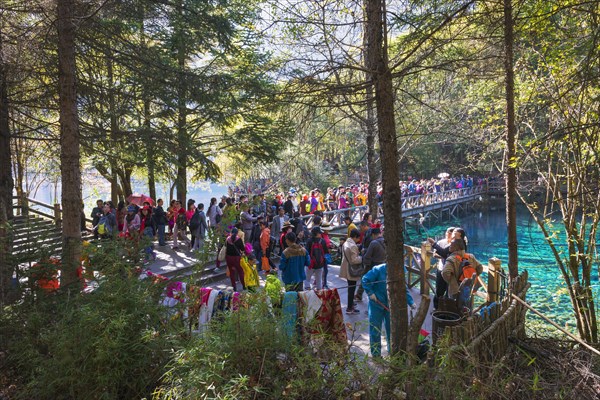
265	243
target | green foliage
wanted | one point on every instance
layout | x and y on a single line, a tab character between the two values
111	343
119	343
247	355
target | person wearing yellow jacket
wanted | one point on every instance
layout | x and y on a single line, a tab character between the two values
320	205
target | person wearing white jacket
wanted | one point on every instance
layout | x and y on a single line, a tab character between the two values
351	257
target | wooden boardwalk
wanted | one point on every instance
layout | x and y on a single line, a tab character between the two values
431	205
419	262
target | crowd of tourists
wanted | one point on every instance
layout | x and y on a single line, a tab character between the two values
342	197
262	230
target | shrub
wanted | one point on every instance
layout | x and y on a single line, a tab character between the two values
245	355
111	343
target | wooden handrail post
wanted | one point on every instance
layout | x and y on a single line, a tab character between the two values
24	205
425	265
57	215
493	279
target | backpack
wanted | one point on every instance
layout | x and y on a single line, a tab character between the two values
103	227
317	255
465	269
307	207
181	221
255	234
195	220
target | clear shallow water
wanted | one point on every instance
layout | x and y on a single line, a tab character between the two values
486	232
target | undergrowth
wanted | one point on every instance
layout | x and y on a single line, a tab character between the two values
246	355
111	343
118	342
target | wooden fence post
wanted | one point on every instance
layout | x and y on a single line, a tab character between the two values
24	205
425	266
493	279
57	215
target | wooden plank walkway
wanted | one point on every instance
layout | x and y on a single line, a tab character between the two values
412	206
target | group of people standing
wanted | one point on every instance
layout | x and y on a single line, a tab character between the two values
134	221
131	221
454	264
259	229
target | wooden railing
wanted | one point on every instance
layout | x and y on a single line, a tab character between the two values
419	262
47	211
481	335
440	197
421	268
336	217
487	336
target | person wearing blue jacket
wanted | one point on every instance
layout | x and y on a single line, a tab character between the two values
293	260
375	284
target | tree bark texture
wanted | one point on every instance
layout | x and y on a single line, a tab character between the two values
115	190
371	129
114	128
181	180
511	148
6	188
69	143
148	134
149	149
381	76
125	176
182	139
19	167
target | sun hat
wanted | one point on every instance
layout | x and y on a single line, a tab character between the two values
326	226
287	224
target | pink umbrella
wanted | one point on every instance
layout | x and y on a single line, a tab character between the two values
139	199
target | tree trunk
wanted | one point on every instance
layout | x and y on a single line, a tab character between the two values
19	171
151	177
6	188
125	175
511	148
149	149
69	144
113	177
171	192
114	128
381	76
6	180
370	130
371	165
415	329
114	184
148	134
181	182
182	139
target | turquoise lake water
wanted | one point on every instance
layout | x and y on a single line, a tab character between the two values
487	236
